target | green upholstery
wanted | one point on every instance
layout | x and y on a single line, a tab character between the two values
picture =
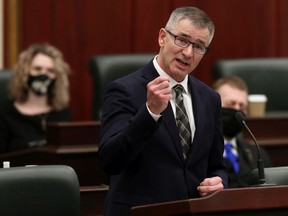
105	68
39	190
5	76
273	175
263	76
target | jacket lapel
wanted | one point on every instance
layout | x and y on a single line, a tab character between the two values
167	116
198	112
170	124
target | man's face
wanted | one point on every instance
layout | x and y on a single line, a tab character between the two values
177	61
233	98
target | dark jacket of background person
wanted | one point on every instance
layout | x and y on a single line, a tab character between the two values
20	131
248	157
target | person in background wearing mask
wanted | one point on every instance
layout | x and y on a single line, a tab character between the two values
242	158
39	92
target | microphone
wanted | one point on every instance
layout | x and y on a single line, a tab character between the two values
262	181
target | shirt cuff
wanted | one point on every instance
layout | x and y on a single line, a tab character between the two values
154	116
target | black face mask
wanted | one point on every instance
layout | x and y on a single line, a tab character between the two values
41	84
231	126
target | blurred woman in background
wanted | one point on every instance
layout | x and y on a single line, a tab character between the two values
39	92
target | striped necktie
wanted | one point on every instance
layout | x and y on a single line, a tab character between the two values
182	120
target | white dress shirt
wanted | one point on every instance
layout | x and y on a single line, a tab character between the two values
186	97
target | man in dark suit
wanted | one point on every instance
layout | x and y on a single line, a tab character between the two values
234	96
154	148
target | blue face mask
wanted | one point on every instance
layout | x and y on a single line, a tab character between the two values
41	84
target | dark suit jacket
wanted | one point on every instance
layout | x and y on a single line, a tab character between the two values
144	157
247	155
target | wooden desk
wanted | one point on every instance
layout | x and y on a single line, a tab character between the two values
271	133
269	129
93	200
245	201
76	144
83	159
69	143
73	133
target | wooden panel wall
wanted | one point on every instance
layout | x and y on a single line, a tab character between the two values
81	29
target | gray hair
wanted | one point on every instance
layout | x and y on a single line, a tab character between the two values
195	15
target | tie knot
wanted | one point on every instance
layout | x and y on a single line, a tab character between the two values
178	88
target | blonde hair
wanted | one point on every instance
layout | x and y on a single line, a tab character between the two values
232	80
18	89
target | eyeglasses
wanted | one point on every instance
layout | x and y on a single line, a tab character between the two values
183	42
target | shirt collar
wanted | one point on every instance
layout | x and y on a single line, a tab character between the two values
232	141
161	72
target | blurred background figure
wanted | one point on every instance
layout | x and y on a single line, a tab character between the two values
240	156
39	93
